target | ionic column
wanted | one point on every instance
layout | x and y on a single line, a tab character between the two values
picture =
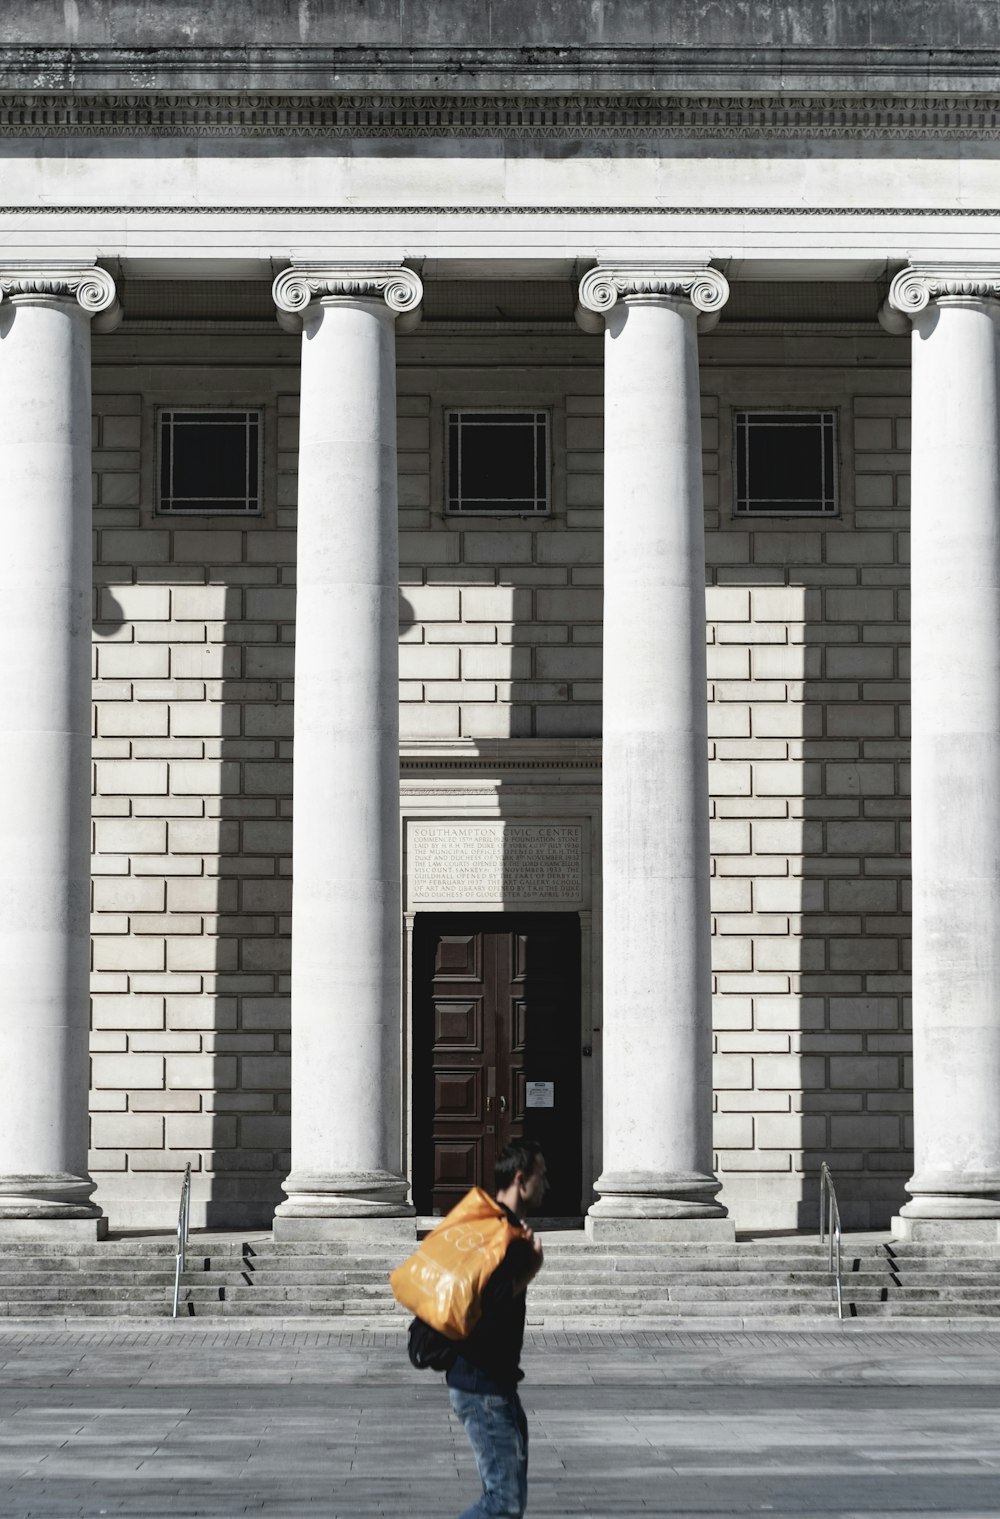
657	927
346	904
45	630
956	744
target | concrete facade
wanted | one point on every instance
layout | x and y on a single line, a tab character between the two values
748	900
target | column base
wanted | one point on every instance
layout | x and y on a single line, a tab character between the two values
666	1230
363	1195
58	1196
941	1231
952	1196
653	1195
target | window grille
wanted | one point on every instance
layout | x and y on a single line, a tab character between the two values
210	461
786	463
498	462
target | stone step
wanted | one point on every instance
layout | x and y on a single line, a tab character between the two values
104	1281
731	1315
84	1293
584	1262
617	1276
754	1309
312	1296
855	1294
276	1306
581	1281
98	1250
605	1269
357	1293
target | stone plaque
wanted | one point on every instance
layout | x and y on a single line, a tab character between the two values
506	863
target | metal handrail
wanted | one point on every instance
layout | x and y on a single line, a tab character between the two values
183	1229
829	1224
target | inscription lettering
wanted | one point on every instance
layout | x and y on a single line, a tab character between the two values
495	862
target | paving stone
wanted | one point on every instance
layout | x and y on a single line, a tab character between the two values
185	1420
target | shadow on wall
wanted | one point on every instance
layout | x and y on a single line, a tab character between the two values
202	873
827	824
857	1100
252	1119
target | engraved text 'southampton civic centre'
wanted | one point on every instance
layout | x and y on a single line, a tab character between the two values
458	467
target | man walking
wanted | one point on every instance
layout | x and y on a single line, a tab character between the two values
482	1381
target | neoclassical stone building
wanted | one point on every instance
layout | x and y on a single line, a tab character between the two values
597	347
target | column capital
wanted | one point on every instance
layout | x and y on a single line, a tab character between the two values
91	287
914	288
298	286
603	287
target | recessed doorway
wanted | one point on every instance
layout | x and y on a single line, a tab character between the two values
496	1051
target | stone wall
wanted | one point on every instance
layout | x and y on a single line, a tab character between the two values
193	654
500	637
808	724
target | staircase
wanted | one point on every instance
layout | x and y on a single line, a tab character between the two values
753	1284
114	1278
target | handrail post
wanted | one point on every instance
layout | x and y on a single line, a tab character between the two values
829	1223
183	1227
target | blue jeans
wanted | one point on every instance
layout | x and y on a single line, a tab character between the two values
498	1434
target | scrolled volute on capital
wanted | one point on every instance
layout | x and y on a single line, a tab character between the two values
914	288
297	287
602	288
91	287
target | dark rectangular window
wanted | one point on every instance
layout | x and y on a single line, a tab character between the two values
786	463
498	461
210	461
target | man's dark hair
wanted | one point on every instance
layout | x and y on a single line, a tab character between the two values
519	1155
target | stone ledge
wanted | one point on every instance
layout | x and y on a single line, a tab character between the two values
56	1230
625	1230
960	1231
380	1230
543	66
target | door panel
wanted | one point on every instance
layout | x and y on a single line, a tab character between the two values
496	1008
458	1095
458	1025
457	1165
459	957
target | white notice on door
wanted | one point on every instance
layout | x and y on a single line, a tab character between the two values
540	1094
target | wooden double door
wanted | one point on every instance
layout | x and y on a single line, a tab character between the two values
496	1051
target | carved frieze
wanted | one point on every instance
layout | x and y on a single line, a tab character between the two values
507	209
598	117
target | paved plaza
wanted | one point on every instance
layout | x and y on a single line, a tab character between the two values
180	1420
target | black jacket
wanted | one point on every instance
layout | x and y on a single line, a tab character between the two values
488	1361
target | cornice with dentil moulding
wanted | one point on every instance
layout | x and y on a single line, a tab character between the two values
601	289
572	113
297	287
89	286
914	288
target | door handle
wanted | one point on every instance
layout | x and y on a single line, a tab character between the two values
503	1104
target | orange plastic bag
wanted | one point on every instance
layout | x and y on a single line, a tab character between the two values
443	1281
